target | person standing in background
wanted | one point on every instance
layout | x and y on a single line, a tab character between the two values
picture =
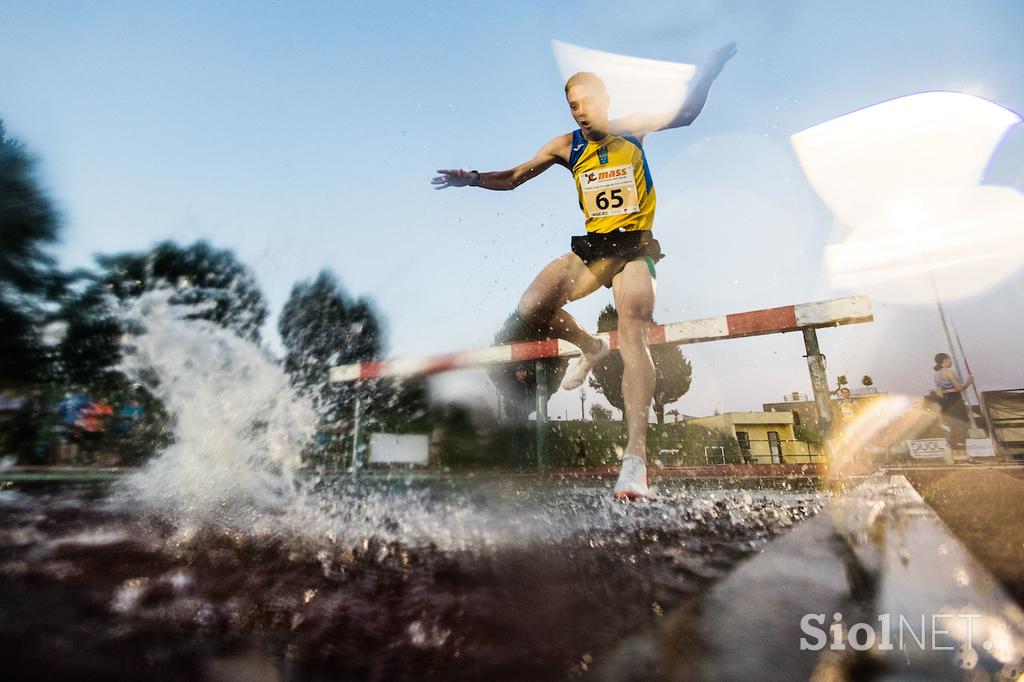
67	424
92	420
952	405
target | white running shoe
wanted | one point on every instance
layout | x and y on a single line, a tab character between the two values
632	483
575	377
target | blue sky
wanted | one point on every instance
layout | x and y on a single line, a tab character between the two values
304	136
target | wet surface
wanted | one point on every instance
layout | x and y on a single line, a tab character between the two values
978	505
436	580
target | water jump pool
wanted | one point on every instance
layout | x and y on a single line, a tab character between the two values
393	578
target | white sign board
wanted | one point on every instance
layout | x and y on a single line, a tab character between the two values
393	448
980	447
928	448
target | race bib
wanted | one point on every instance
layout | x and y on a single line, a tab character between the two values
609	191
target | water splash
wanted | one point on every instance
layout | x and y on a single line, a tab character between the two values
239	426
235	466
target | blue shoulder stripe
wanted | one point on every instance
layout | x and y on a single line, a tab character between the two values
579	143
647	171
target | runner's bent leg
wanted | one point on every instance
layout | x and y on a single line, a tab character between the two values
562	280
634	299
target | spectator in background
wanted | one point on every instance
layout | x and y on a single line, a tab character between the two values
69	433
952	404
581	451
520	401
129	416
521	397
92	420
845	405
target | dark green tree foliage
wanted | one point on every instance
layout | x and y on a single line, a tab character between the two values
320	327
668	444
199	274
28	274
673	372
520	401
673	375
91	346
607	377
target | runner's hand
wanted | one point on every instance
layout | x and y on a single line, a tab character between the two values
452	178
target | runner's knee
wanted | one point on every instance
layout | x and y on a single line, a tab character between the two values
535	316
632	334
538	309
531	311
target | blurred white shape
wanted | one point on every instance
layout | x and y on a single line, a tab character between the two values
635	85
968	239
903	178
860	162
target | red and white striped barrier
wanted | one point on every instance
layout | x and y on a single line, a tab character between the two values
832	313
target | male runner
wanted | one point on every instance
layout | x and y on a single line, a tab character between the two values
616	193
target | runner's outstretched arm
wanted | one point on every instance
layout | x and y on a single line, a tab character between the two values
641	124
555	151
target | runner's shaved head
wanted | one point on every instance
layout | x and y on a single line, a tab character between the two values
588	79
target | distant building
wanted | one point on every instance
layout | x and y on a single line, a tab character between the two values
806	414
676	417
764	437
797	404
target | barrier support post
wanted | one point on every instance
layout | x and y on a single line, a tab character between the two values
357	416
542	417
819	382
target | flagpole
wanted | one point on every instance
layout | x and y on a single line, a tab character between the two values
967	365
949	341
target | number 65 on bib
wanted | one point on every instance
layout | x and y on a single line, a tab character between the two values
609	191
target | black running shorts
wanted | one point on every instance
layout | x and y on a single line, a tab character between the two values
606	254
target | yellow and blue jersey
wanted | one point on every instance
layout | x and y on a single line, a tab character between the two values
614	184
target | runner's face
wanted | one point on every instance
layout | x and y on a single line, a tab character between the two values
589	107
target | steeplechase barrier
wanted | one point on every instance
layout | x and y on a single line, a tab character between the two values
804	317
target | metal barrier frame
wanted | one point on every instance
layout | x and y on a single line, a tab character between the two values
804	317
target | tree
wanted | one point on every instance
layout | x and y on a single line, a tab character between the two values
867	381
520	397
673	375
198	274
321	326
607	377
673	372
841	381
599	413
90	349
29	278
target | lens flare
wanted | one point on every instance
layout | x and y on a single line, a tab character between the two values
878	425
862	162
968	240
903	180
